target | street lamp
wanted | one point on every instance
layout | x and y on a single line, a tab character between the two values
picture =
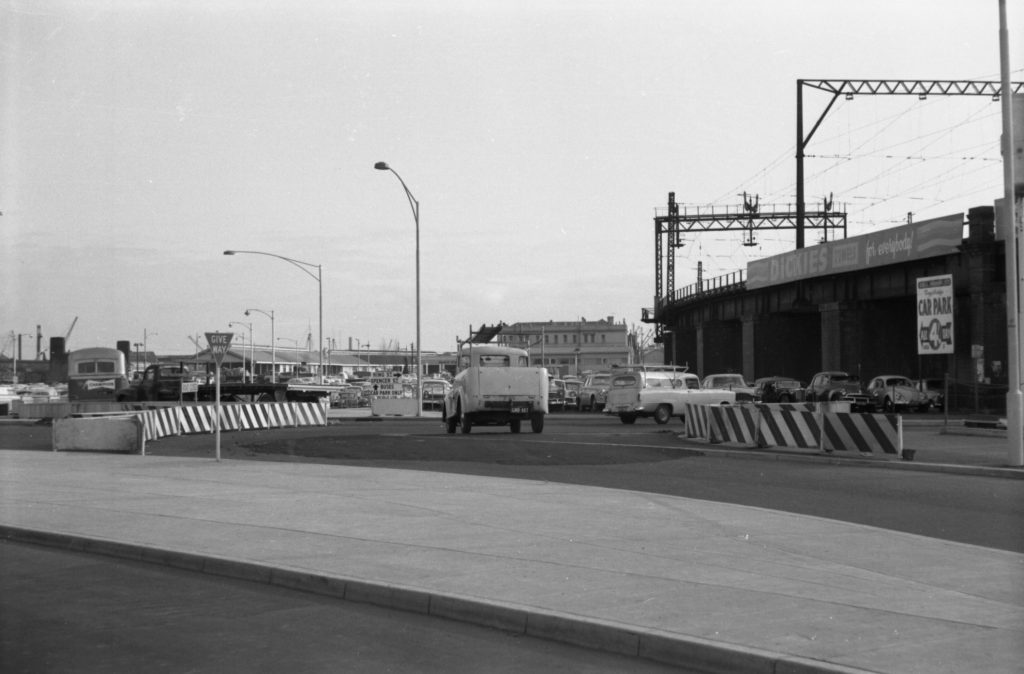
252	350
305	267
415	206
145	343
273	344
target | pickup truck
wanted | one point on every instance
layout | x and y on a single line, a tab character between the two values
496	386
659	391
164	382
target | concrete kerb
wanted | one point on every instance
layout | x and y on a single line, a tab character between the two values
781	454
691	653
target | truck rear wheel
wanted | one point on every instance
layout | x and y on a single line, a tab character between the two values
450	423
537	423
662	414
627	418
467	425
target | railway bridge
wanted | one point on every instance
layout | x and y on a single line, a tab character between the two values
849	304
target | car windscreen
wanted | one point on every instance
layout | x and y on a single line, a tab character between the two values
624	380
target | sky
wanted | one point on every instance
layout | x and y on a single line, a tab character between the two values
141	139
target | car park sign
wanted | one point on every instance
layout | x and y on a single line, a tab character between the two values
935	315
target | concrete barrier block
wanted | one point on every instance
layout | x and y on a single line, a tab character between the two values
121	433
393	407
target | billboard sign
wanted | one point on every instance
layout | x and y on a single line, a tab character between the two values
935	315
928	238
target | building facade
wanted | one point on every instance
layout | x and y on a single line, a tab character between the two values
572	347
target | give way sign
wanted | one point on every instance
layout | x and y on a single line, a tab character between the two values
219	343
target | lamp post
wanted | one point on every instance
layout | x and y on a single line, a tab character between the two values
273	343
138	346
305	267
252	350
145	343
415	206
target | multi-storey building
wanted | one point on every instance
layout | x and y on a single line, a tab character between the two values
572	347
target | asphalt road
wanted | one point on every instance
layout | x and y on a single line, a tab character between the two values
600	451
62	611
71	612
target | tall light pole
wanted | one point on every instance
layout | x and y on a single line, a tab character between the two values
1013	186
252	350
145	343
415	206
273	343
305	267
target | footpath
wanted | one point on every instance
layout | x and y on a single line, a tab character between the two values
708	586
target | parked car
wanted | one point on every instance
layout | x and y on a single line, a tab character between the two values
732	382
350	396
934	390
556	395
896	393
572	393
779	390
594	392
659	391
434	391
838	386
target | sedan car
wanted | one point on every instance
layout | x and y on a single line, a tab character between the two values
779	390
572	393
556	395
934	390
896	393
594	391
434	391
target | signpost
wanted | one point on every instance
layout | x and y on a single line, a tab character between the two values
219	343
935	315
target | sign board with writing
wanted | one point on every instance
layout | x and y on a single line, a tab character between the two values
219	343
928	238
935	315
386	386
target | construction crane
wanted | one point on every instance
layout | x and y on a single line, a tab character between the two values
67	337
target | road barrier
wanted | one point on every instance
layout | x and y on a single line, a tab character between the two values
863	432
161	420
121	433
733	423
696	419
788	425
825	426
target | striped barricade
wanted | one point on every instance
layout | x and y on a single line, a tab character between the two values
696	420
788	425
159	422
229	417
733	423
252	416
196	419
311	414
279	415
863	432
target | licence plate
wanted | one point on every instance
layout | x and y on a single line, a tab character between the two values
520	408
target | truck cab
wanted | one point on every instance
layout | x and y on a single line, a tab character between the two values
496	386
160	382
